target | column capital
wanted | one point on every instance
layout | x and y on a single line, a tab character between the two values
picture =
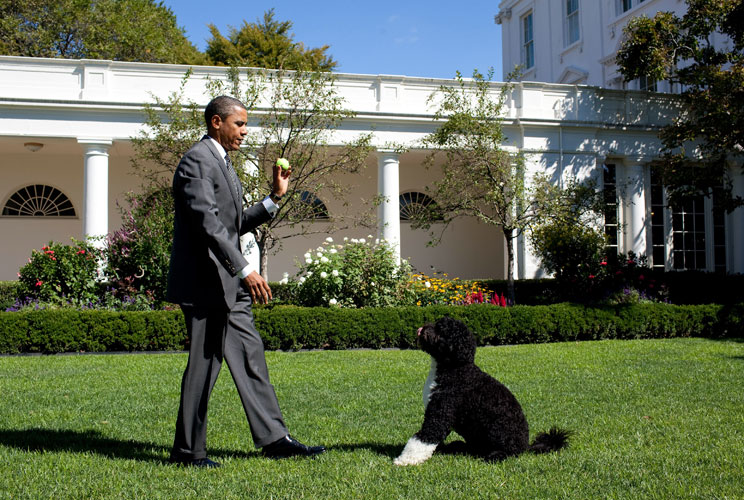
95	146
638	160
388	152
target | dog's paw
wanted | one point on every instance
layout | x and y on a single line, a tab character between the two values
415	452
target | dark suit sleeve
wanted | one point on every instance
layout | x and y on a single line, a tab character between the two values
194	181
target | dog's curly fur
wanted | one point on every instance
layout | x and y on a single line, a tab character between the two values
472	403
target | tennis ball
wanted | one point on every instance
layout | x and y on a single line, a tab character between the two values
282	162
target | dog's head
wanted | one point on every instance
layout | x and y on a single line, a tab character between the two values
448	341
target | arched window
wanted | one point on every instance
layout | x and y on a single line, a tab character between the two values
413	204
38	200
316	208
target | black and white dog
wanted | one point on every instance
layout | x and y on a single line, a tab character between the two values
459	396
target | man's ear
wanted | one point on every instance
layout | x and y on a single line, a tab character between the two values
216	121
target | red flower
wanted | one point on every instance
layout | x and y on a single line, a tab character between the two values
502	301
591	276
640	277
81	252
39	283
603	263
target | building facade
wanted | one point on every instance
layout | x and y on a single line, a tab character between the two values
65	150
576	42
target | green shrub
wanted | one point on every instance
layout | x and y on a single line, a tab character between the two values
61	274
293	328
8	294
138	254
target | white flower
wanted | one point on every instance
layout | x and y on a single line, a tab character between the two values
284	281
354	240
324	259
427	284
302	280
346	238
334	272
319	249
319	254
323	274
369	236
307	256
372	284
329	239
309	273
333	302
363	241
308	260
333	250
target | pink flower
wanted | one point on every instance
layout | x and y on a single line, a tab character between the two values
603	263
81	252
640	277
591	276
39	283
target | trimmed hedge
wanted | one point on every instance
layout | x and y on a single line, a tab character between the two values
292	328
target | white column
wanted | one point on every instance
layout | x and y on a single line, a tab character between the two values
736	225
388	188
95	188
634	209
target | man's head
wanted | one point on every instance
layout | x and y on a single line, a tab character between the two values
226	119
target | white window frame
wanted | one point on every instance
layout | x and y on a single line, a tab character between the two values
568	18
528	46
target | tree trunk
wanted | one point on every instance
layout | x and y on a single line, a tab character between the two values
264	259
510	294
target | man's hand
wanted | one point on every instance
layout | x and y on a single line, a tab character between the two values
258	288
281	180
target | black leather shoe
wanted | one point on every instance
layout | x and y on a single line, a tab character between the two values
290	447
197	462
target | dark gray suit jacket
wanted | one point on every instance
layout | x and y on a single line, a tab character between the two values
209	220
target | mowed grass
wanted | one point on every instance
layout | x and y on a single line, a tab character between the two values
651	419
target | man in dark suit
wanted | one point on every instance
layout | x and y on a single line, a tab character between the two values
211	280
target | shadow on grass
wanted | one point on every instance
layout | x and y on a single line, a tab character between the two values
89	441
92	441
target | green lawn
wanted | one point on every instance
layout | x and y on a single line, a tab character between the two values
651	419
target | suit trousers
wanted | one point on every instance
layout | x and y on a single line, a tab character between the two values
216	334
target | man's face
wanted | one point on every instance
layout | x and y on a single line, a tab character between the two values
231	131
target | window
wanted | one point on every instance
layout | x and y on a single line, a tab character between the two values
417	204
528	45
611	216
648	84
626	5
38	200
314	209
571	28
697	228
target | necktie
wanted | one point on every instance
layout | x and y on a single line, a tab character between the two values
233	176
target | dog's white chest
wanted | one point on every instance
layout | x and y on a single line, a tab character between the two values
431	382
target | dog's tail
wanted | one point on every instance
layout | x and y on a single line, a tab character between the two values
553	440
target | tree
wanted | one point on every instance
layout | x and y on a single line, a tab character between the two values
299	112
266	44
708	135
480	178
124	30
569	238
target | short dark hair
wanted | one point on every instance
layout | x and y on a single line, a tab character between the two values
222	106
